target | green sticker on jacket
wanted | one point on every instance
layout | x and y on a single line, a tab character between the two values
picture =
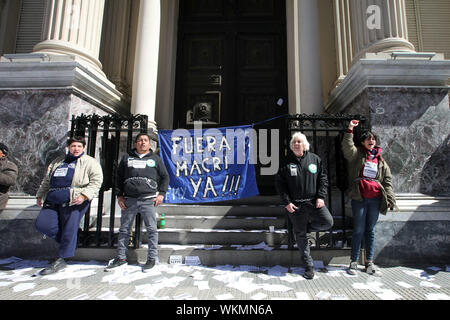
312	168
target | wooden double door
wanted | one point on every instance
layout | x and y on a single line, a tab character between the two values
231	64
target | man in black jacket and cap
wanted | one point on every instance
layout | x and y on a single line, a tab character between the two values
141	184
8	175
302	185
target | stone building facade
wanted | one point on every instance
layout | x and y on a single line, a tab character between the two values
386	59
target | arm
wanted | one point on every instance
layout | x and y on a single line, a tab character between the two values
322	189
348	146
118	184
95	175
164	180
387	185
282	189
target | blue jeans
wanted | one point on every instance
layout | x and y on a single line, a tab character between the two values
148	213
365	217
61	223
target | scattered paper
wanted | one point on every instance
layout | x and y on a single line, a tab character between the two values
429	284
302	296
226	296
110	295
192	261
404	285
259	296
339	297
388	295
44	292
23	287
322	295
83	296
437	296
202	285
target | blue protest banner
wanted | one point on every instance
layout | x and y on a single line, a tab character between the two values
208	165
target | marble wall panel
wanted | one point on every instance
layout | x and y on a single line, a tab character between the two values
34	124
414	129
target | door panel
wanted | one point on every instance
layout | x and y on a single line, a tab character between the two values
231	66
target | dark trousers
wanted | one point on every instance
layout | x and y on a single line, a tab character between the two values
307	218
61	224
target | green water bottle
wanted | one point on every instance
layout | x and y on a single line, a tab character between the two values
162	221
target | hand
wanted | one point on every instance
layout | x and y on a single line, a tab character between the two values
352	124
79	200
39	202
291	208
158	200
121	202
320	203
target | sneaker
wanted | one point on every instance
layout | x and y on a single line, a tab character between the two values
150	264
56	265
309	273
117	262
353	268
372	269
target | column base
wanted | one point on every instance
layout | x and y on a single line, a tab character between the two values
38	96
407	104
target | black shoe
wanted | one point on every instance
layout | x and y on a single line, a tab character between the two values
117	262
309	273
56	266
150	264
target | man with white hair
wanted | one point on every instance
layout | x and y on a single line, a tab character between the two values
302	185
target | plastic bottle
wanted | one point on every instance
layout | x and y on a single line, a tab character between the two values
162	221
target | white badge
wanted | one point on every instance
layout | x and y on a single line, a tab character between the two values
139	164
370	170
61	172
293	171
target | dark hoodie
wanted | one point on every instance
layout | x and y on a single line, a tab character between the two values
301	178
141	177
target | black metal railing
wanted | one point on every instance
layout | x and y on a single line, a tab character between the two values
324	133
107	137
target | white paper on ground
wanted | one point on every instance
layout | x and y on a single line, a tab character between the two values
302	296
202	285
437	296
225	296
429	284
83	296
388	294
259	296
323	295
404	285
44	292
109	295
23	287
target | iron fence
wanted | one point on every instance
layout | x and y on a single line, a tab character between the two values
107	137
325	132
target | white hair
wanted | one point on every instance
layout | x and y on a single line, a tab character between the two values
300	136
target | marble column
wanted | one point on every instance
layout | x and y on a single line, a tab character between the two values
74	28
146	60
116	39
305	85
343	33
378	26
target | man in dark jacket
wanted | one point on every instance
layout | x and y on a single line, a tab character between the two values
8	175
141	184
302	185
